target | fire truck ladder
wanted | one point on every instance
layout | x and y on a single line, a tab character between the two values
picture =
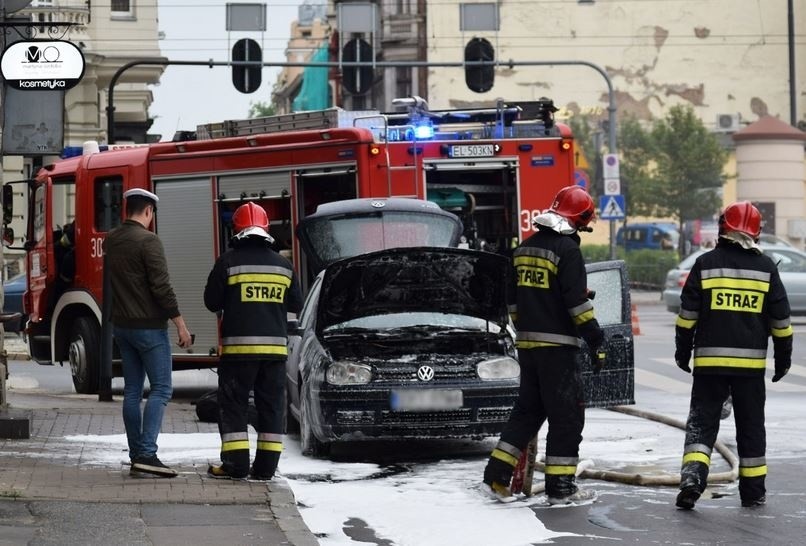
383	132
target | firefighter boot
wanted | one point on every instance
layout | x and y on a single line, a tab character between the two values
690	491
497	475
752	491
265	466
563	489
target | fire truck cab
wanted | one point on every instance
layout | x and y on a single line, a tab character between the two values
495	168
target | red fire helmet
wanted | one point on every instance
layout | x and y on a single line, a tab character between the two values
250	219
575	205
743	217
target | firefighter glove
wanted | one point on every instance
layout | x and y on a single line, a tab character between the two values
779	373
681	358
598	359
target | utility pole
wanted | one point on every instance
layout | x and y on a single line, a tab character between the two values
13	423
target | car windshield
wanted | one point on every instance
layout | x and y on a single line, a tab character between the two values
436	321
334	238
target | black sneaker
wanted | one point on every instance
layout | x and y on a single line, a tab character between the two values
688	497
152	465
218	472
750	503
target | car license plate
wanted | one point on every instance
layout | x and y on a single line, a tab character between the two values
472	150
425	399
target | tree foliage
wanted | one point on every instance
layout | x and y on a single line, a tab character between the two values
673	169
260	109
588	136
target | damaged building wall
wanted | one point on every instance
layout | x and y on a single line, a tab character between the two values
722	57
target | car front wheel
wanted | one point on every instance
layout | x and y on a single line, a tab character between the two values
309	444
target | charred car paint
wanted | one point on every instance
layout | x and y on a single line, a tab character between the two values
404	343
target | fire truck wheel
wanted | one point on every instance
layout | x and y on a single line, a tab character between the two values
309	444
83	353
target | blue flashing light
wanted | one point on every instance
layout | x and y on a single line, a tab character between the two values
424	132
75	151
71	151
409	133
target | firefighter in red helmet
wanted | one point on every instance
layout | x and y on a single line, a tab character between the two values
553	313
733	300
252	288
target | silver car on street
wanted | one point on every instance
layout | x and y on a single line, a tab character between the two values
791	264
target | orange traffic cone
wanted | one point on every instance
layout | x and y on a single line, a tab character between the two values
636	329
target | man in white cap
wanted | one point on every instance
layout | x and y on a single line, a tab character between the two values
142	303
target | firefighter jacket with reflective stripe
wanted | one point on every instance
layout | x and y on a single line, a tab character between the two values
551	307
733	300
254	288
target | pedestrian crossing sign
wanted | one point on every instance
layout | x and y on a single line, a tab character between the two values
611	207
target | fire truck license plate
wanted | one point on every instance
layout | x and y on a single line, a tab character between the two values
472	150
425	399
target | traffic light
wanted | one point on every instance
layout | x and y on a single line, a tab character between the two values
479	78
357	79
246	79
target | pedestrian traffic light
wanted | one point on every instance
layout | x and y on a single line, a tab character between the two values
357	79
246	79
479	78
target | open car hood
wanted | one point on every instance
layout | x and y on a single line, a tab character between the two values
422	279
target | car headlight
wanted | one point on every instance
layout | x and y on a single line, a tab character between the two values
348	373
502	367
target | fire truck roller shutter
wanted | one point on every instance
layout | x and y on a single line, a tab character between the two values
184	222
266	185
271	190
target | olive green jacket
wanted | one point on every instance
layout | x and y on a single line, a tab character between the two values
142	296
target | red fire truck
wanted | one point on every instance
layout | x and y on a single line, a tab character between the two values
495	168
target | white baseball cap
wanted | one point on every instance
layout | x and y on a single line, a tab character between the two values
140	192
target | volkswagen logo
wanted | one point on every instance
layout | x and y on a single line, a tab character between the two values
378	204
425	373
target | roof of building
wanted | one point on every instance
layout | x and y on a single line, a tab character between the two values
769	128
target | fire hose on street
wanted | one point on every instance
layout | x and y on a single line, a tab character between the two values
654	479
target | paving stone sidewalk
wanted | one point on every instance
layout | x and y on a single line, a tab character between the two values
46	467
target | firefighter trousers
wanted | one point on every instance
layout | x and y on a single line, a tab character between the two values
708	392
235	380
550	390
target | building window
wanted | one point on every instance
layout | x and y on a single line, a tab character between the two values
402	7
403	82
122	8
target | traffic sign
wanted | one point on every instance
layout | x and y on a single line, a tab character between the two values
610	166
612	186
611	207
581	178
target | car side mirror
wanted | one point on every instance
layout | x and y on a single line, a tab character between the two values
8	236
8	204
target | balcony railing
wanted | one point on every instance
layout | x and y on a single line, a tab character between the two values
52	15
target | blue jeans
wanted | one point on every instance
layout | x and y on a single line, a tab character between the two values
145	352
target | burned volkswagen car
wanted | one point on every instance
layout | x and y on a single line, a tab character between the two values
415	341
404	343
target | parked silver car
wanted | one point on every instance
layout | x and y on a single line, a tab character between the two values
791	264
